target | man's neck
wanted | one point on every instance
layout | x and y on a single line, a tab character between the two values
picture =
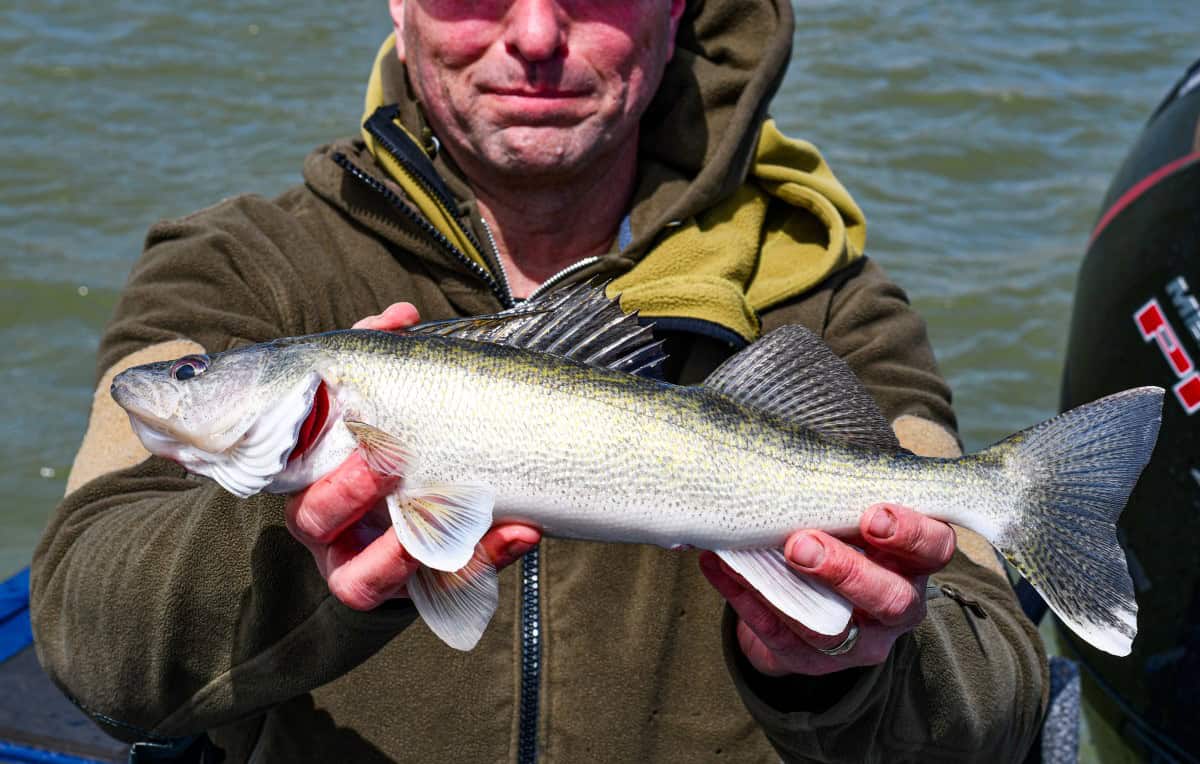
541	228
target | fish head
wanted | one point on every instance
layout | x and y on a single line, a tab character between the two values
233	416
204	401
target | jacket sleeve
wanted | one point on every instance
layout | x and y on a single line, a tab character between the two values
160	603
970	683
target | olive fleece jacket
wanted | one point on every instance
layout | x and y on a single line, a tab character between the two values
165	606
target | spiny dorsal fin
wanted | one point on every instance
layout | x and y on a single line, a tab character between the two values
579	322
792	374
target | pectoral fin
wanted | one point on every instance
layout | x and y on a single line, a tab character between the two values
382	452
457	606
440	523
800	598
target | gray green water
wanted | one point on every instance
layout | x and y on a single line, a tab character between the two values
978	136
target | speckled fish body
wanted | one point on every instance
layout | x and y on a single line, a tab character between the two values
592	454
780	438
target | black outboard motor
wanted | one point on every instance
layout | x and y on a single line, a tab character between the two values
1137	322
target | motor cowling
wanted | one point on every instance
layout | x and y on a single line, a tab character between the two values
1136	321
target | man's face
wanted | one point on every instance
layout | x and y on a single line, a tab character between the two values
535	89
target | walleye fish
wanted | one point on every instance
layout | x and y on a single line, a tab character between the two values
545	415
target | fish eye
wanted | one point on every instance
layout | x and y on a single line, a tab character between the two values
189	366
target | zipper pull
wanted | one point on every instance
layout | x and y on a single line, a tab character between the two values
431	145
970	604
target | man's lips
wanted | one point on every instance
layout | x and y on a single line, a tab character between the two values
552	93
541	106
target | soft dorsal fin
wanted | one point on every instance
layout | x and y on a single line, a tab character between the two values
793	374
579	322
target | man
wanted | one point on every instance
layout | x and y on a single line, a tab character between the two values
510	147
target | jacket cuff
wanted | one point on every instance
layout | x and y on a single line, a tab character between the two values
791	704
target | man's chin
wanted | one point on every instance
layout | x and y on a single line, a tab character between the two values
541	152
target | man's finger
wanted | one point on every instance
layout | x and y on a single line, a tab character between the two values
762	658
774	629
750	609
882	594
370	577
924	544
348	544
318	514
398	315
505	544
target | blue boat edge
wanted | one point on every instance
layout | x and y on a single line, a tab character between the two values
38	724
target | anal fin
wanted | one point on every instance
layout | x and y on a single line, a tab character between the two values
800	598
457	606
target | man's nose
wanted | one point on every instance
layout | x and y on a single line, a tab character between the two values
537	29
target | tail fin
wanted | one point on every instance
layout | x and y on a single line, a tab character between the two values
1076	472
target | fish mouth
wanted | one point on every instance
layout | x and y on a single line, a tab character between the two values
158	420
145	406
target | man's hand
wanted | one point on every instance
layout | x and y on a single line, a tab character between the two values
344	523
885	583
398	315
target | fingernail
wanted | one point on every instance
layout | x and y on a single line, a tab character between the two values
807	552
883	523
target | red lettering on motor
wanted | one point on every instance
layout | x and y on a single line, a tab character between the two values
1150	319
1188	393
1153	325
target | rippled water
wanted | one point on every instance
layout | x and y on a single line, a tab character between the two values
979	137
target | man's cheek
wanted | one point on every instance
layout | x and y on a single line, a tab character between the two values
463	43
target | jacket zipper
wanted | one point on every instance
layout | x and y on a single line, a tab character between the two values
531	657
531	636
428	228
549	283
432	184
531	605
440	194
495	253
